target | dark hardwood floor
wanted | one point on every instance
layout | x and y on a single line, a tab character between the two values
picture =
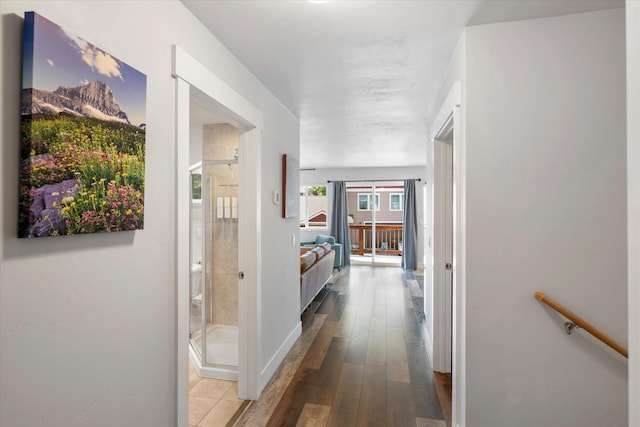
444	387
360	360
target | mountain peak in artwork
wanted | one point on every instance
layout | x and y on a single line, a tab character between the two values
94	99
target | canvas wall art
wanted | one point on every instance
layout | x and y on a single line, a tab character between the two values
82	147
290	187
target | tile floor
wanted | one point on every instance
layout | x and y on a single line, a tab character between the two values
212	403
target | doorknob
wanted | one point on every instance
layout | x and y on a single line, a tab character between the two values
241	275
448	266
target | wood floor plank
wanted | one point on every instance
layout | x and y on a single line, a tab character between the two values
325	379
397	367
377	346
399	405
394	318
424	422
318	349
344	409
366	302
338	307
357	349
443	384
413	331
372	410
379	308
328	303
290	406
347	320
423	390
260	412
301	347
313	416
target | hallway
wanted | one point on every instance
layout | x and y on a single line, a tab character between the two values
360	360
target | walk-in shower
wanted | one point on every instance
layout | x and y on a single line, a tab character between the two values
214	256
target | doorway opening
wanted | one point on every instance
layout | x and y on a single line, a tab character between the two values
222	171
445	296
375	215
214	222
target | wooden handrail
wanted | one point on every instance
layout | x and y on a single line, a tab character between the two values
580	322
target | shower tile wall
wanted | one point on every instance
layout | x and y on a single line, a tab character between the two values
220	142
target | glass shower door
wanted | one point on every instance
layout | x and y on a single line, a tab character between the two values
196	309
218	332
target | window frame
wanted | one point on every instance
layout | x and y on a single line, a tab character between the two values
401	196
304	225
369	199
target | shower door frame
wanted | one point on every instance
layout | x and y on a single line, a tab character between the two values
203	366
188	74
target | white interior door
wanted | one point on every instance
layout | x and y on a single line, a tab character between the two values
443	248
447	146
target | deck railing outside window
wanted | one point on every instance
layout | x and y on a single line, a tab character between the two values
388	239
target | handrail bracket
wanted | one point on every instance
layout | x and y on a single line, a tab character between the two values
570	326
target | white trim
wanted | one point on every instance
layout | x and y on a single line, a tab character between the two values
189	73
182	253
632	17
428	345
379	190
209	371
305	225
250	262
279	356
450	114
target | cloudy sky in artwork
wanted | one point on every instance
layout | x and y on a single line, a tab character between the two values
64	59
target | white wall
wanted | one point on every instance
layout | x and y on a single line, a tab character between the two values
88	322
546	210
633	191
280	253
321	176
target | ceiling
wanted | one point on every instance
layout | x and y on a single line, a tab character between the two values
360	75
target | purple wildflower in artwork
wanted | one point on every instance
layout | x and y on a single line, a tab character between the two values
82	147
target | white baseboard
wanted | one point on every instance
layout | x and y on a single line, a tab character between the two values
278	357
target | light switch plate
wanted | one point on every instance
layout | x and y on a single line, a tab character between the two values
276	197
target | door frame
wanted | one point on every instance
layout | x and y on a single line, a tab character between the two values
188	74
449	305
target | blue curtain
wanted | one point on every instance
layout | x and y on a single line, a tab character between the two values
339	223
410	227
